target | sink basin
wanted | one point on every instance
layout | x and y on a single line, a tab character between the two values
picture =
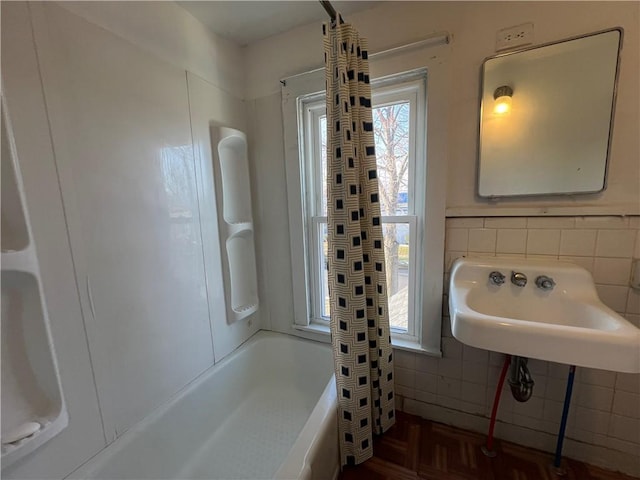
566	324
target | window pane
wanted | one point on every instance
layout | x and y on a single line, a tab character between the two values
391	127
323	162
324	274
392	139
396	251
391	124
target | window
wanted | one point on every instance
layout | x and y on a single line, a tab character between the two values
413	177
398	115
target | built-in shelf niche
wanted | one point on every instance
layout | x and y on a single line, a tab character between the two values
242	270
33	407
235	221
234	168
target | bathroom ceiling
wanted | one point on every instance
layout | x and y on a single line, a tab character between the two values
245	22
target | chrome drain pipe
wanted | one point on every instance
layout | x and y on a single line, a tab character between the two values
520	379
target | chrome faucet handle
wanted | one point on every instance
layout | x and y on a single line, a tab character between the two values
545	283
496	278
519	279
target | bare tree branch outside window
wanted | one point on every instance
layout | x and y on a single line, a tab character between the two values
391	128
392	140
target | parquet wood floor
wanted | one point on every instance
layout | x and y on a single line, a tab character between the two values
417	449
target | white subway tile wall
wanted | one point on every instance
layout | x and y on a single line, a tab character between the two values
612	271
615	243
605	410
482	240
510	240
578	242
543	242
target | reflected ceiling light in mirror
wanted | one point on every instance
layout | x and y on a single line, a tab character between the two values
502	96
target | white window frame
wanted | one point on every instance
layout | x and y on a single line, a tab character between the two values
432	198
409	88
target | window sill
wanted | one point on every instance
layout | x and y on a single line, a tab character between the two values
315	328
320	332
413	346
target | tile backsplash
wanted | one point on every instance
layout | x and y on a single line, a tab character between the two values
604	422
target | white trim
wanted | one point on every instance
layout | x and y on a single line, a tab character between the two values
414	346
434	198
315	327
493	210
316	268
397	89
291	113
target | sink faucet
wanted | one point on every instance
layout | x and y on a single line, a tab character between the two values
496	278
545	283
519	279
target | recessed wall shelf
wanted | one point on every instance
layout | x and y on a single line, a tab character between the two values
235	221
33	407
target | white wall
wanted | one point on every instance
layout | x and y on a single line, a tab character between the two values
474	26
111	104
172	34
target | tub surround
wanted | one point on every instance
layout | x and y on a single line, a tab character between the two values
108	126
33	406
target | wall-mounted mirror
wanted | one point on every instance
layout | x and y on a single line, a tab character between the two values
546	117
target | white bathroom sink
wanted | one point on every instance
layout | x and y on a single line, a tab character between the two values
567	323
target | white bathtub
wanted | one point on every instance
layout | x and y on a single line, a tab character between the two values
266	411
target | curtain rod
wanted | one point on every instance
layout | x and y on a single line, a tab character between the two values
433	40
329	8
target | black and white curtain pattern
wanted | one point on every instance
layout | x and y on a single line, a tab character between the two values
357	283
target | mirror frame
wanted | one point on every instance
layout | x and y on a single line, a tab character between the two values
611	119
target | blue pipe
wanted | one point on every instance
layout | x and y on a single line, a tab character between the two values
565	415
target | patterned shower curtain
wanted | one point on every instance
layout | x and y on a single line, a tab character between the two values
357	283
